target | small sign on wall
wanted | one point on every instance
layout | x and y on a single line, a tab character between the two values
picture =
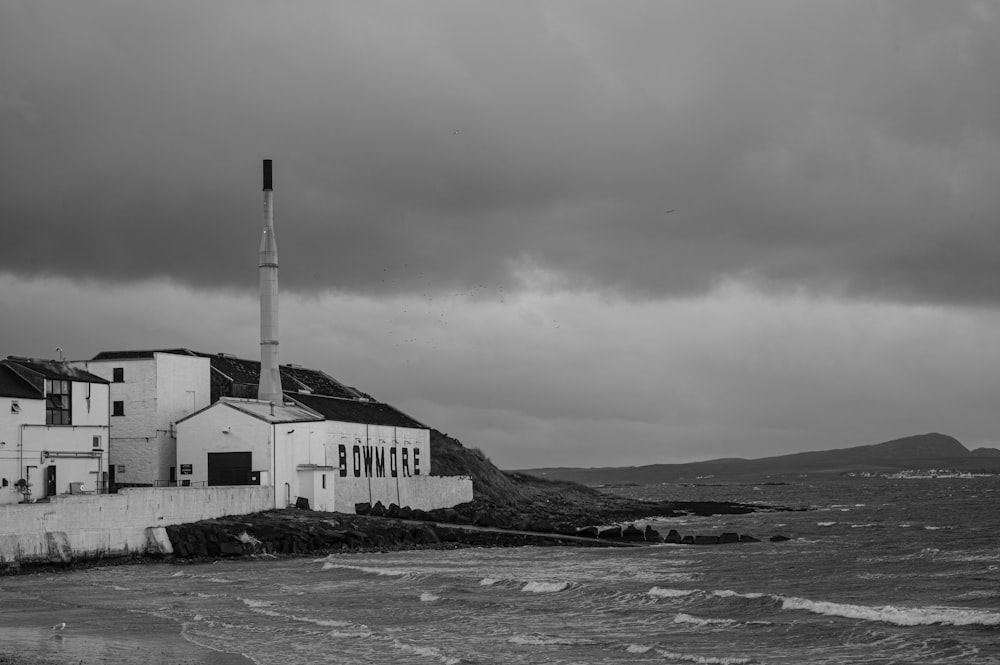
186	469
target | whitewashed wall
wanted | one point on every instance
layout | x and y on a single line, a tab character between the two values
156	393
423	492
27	439
114	524
32	411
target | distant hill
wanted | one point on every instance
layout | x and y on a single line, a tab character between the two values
923	451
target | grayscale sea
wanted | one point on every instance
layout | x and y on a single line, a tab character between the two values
879	571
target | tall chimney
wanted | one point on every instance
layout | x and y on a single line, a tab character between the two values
269	388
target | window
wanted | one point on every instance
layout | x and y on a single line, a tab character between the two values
118	408
57	402
14	406
96	443
324	481
118	374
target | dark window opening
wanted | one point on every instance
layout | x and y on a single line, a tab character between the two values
118	409
118	374
57	402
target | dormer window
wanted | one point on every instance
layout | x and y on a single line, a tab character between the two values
58	409
14	406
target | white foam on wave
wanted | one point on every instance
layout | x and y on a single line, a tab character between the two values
381	572
428	597
355	630
255	604
862	526
900	616
545	641
698	621
704	660
637	648
726	593
545	587
178	575
825	523
979	593
487	581
427	652
120	588
661	592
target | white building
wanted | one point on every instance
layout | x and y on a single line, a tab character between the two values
333	452
150	392
54	429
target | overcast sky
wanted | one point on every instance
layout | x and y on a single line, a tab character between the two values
568	233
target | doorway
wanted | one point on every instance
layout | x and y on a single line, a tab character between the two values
230	468
50	480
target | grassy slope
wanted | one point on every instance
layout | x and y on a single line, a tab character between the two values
517	494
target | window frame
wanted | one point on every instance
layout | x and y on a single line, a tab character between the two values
58	412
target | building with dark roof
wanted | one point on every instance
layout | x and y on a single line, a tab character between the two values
54	429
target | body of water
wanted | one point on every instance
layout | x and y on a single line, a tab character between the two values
877	571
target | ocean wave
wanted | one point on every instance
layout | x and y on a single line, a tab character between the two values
254	604
427	652
428	597
698	621
661	592
545	587
825	523
637	648
544	641
900	616
336	626
979	593
726	593
704	660
863	526
382	572
487	581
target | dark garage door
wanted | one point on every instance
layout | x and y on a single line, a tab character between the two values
229	468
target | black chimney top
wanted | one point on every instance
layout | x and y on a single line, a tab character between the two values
267	174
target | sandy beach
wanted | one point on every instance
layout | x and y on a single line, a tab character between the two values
68	631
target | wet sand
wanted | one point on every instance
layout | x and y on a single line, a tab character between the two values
32	633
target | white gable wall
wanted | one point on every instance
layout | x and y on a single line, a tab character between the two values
32	447
32	412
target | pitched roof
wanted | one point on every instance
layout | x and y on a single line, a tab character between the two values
294	378
53	369
272	413
355	411
266	411
12	385
139	355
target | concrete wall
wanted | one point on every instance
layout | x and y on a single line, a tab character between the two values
114	524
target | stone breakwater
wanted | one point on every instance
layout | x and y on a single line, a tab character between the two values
302	532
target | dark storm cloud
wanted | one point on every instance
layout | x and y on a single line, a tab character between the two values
847	147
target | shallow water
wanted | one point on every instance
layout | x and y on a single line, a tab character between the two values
879	571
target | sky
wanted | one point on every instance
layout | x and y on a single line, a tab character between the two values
568	233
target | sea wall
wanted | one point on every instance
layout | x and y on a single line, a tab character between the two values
417	492
130	522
